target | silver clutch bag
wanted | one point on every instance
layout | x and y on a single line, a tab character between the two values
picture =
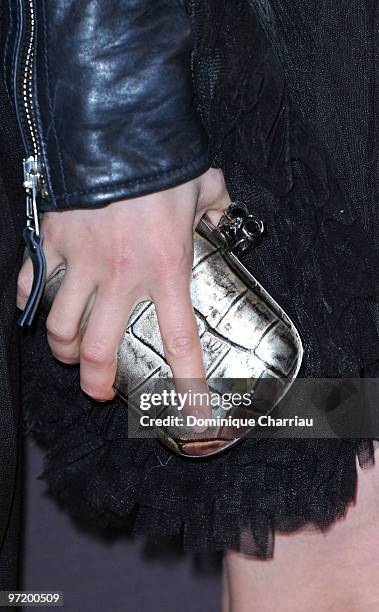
249	343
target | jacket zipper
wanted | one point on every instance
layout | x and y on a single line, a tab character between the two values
33	172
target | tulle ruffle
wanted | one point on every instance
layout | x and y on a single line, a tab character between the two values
234	501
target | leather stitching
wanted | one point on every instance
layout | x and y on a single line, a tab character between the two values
145	179
52	119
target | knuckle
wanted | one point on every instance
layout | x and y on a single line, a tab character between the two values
58	332
178	345
120	259
172	257
120	255
96	354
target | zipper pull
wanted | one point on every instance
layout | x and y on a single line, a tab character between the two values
33	238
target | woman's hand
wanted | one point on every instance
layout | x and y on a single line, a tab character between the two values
115	257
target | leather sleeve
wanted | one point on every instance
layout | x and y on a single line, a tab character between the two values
114	100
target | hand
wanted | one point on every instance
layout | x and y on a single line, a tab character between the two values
116	257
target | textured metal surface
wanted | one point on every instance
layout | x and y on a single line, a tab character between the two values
244	335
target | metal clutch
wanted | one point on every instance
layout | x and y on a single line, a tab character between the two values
249	343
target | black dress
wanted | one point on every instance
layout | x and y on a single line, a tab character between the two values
12	220
288	92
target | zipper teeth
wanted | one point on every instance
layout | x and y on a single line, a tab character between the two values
27	82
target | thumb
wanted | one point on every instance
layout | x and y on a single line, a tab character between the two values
213	196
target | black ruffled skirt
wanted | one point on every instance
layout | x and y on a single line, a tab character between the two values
288	95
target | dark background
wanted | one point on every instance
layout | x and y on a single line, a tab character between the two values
119	574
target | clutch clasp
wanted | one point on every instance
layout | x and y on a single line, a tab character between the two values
239	230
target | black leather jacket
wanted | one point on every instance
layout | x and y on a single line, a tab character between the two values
111	96
103	95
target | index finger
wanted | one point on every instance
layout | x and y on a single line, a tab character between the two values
180	336
181	342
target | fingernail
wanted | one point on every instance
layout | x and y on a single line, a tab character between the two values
197	427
